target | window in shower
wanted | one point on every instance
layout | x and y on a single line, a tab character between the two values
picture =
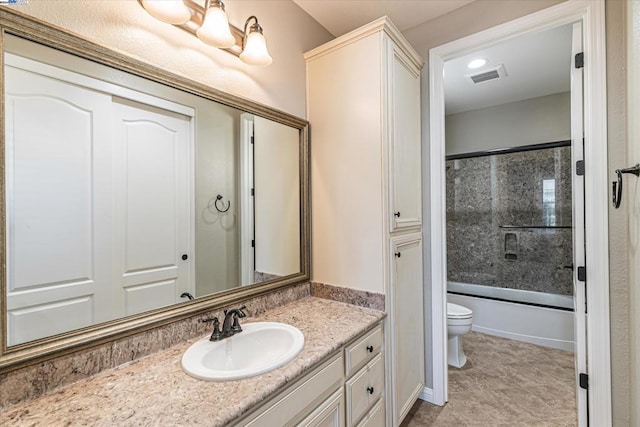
549	202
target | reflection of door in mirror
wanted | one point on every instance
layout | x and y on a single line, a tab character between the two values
97	201
270	197
277	199
123	194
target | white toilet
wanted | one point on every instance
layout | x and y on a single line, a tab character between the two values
459	321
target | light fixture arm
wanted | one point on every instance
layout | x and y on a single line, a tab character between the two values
254	27
213	3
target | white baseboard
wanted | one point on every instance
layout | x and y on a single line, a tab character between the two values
546	342
427	395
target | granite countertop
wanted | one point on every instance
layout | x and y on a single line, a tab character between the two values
155	391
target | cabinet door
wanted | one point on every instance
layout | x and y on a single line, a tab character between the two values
328	414
407	322
403	109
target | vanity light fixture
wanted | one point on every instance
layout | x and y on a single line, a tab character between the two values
477	63
211	25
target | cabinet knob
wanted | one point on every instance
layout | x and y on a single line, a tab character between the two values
397	214
370	390
370	348
185	257
398	254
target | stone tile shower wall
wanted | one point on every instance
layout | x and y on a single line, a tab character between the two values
509	220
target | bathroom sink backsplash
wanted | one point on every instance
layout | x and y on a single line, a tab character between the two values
36	380
41	378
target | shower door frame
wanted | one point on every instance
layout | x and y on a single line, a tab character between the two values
591	15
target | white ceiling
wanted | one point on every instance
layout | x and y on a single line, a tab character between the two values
536	64
341	16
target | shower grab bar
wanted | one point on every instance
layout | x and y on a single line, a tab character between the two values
617	195
534	226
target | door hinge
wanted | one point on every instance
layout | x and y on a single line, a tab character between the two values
580	168
253	192
582	274
252	135
584	381
580	60
253	243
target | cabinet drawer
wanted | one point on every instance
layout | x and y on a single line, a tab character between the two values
303	395
364	389
329	414
375	417
363	350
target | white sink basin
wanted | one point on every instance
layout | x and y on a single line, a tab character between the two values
260	347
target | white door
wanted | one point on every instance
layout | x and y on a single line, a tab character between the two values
152	205
407	321
579	290
277	198
58	196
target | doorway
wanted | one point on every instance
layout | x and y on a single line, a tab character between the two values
591	15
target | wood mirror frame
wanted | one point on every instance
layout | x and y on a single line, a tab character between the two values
14	357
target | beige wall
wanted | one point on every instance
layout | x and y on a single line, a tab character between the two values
125	26
618	228
631	203
532	121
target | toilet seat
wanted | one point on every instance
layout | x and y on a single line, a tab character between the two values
455	311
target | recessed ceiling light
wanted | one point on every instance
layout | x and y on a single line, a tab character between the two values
476	63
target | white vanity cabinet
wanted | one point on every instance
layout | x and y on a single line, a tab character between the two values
363	92
345	390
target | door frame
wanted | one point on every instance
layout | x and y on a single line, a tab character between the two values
591	14
246	208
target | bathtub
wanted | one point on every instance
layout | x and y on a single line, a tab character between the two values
534	317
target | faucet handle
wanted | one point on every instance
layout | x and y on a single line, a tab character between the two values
236	325
241	313
216	335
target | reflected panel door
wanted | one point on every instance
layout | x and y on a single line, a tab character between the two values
58	174
152	204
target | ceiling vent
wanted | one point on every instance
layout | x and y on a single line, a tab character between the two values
487	74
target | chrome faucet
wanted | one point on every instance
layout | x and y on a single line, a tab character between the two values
229	329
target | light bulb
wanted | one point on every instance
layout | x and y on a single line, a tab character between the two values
476	63
255	50
169	11
215	29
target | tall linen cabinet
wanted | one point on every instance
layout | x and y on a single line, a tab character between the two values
363	92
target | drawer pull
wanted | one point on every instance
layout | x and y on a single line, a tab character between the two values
370	390
370	348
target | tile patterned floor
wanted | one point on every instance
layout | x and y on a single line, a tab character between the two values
504	383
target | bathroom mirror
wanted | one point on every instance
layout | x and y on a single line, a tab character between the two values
132	196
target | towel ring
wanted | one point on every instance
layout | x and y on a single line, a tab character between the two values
223	210
617	186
